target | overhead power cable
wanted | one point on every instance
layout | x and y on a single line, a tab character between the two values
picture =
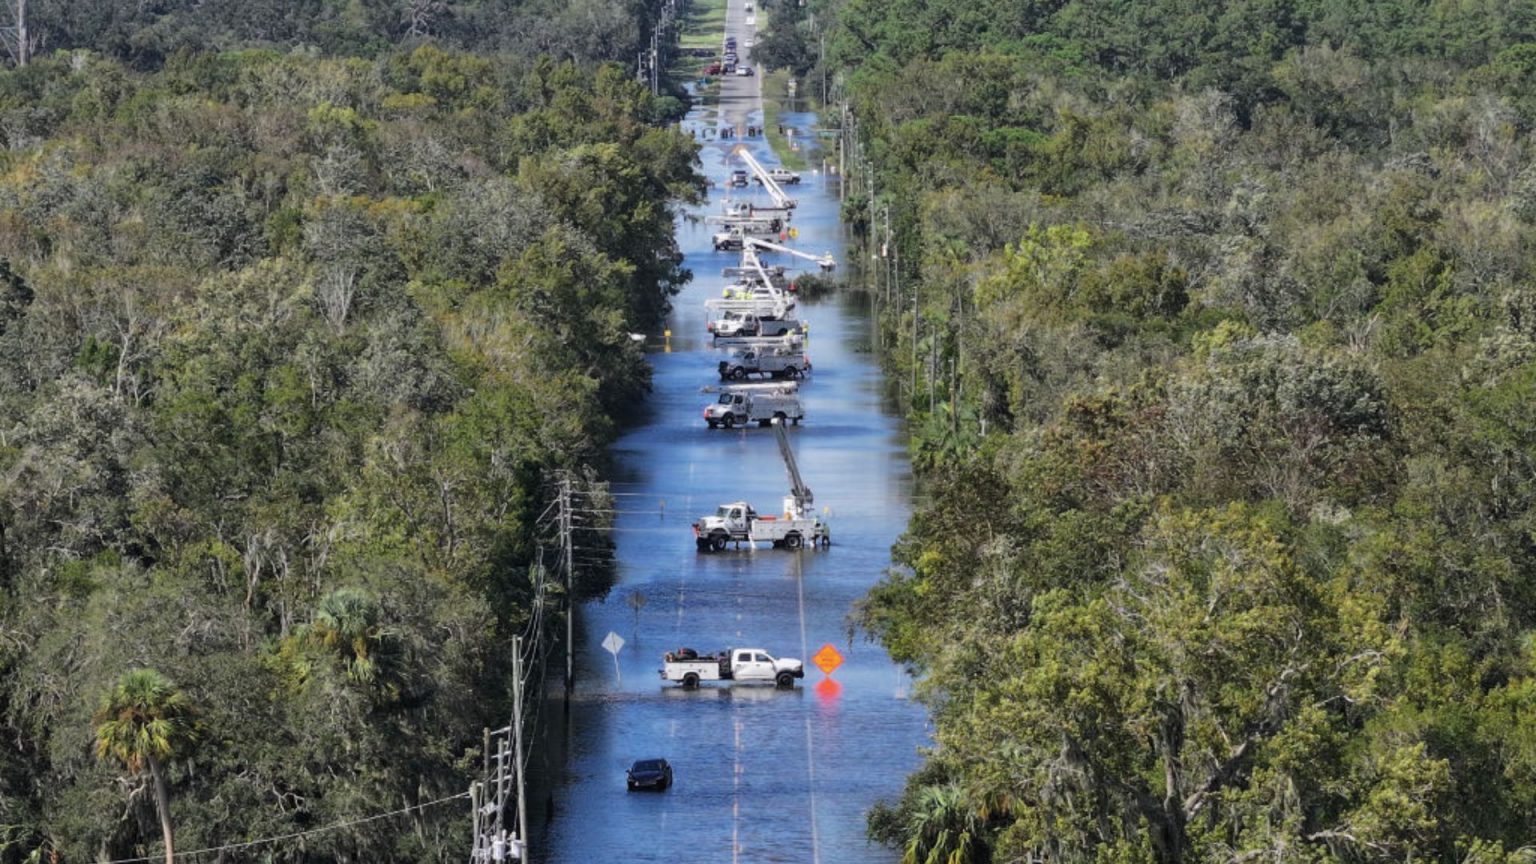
279	838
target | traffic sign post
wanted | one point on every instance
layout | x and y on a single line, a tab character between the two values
614	642
827	659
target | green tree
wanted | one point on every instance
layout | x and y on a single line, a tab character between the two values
144	722
348	624
943	827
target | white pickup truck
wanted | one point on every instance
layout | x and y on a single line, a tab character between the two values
687	667
739	523
782	176
754	403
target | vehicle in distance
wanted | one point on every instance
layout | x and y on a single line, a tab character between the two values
782	176
760	403
765	362
713	68
649	774
743	71
738	522
742	665
738	178
734	325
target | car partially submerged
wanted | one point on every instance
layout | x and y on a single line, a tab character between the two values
649	774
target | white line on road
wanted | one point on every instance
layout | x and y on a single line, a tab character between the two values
736	798
810	752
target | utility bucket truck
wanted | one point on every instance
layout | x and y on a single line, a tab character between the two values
765	177
737	230
769	362
752	298
734	325
738	523
752	245
791	341
688	667
759	292
741	404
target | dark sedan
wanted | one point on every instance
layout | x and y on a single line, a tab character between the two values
650	774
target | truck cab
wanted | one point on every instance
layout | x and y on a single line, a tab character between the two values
753	665
738	177
727	410
735	517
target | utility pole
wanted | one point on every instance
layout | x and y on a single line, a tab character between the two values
23	41
517	737
570	597
491	844
842	160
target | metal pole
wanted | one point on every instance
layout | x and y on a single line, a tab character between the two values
517	737
476	853
842	157
570	596
501	787
913	394
23	40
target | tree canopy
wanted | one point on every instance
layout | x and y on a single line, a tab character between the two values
1221	326
291	345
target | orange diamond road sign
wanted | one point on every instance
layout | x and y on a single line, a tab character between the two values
827	659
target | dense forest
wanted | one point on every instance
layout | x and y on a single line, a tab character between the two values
299	316
1217	326
145	34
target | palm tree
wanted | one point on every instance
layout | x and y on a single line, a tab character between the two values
944	828
143	722
348	623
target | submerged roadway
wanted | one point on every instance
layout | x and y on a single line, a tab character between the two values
761	775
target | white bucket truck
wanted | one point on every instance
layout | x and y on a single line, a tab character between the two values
740	404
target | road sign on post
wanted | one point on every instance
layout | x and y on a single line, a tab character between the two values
827	659
613	643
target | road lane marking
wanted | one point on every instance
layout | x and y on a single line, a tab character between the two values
736	796
810	751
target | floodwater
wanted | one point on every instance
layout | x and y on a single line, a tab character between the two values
761	774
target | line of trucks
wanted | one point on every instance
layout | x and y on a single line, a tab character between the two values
757	322
758	317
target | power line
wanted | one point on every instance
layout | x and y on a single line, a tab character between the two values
297	834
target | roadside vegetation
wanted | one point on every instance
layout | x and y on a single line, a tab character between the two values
793	152
1224	353
701	29
292	341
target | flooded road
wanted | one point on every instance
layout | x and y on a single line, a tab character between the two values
762	775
